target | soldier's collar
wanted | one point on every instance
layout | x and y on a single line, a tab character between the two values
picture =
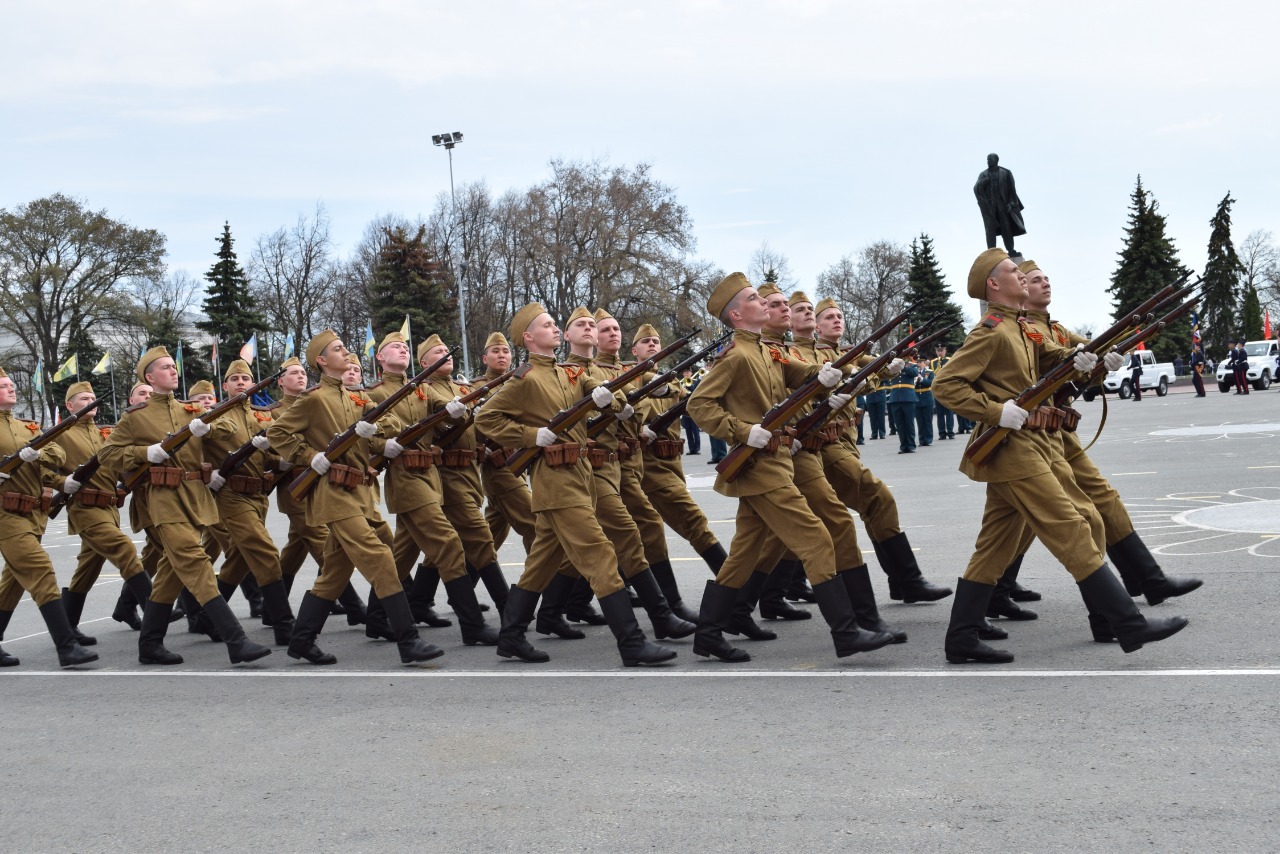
162	395
332	382
822	342
491	374
575	359
746	335
392	377
1004	310
804	341
1038	315
539	359
610	359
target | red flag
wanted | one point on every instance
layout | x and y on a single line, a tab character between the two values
1267	331
1142	345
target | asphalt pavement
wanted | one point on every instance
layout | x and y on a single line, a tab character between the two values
1073	747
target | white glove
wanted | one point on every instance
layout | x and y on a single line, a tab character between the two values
1084	361
262	443
320	464
829	376
662	390
795	448
626	412
4	476
647	434
70	486
392	449
216	481
284	465
28	454
546	437
839	401
1113	361
1013	416
602	397
156	454
895	367
758	437
198	428
366	429
456	409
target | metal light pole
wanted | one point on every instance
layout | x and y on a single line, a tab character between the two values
449	140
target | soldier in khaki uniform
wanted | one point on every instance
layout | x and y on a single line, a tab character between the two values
729	403
21	525
93	514
172	514
127	604
1027	482
508	506
856	485
562	490
344	502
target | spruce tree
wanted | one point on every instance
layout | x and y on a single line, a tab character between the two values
1251	314
409	280
1148	262
928	292
230	314
1221	284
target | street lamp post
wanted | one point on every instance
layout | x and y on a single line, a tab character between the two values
449	140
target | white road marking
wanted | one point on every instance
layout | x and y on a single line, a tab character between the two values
321	673
1128	473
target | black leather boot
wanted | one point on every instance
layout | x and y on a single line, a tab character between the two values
741	622
990	631
773	600
665	623
70	652
1001	603
798	589
412	648
6	660
857	582
352	605
666	578
275	605
312	612
252	594
155	623
198	622
715	557
634	647
240	649
136	592
717	610
474	575
495	584
906	582
1106	596
1010	587
462	599
551	619
376	626
515	622
578	608
1142	575
968	620
73	604
422	597
837	610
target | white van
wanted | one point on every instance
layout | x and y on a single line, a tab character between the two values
1262	366
1156	376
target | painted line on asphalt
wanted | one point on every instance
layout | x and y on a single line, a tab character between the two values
318	673
1127	473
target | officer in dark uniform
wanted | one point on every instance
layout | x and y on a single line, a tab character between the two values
946	418
924	402
902	407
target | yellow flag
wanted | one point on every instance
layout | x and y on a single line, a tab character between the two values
404	330
104	365
68	369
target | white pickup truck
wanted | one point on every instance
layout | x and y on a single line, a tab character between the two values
1156	376
1262	366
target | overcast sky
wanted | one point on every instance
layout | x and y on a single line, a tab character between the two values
817	126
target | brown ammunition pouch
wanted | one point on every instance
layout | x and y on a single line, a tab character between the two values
86	497
171	477
458	458
346	477
1070	419
420	460
46	499
564	454
600	457
243	484
667	449
628	447
19	502
498	457
778	441
1046	418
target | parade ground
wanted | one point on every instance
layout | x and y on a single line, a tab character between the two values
1073	747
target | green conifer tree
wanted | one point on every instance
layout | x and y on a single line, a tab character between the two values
1148	262
231	316
1218	315
928	292
1251	314
409	280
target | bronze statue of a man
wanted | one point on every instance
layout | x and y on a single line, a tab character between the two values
998	200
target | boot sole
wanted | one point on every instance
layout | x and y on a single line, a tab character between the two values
674	635
646	661
148	660
562	635
1157	598
324	659
245	659
915	597
87	660
527	659
1134	646
795	614
729	658
955	658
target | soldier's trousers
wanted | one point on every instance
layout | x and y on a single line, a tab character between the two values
247	537
946	420
861	490
646	516
303	540
573	534
510	510
102	540
183	563
1056	510
467	520
780	514
903	418
28	564
1116	522
924	424
426	531
683	515
357	541
616	522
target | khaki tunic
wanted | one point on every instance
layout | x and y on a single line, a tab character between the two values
26	561
302	539
463	489
248	546
509	501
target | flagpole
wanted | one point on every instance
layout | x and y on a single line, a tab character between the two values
115	405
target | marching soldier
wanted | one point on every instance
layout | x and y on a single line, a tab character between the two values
127	604
508	506
946	418
730	403
343	500
172	505
562	489
1027	483
92	514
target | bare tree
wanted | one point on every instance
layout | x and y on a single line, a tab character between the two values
1261	261
870	286
147	310
770	265
294	277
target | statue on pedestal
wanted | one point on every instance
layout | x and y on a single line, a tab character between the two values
1001	208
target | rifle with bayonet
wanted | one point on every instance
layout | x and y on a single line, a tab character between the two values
344	441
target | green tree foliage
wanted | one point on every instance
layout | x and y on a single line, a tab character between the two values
1148	262
231	316
408	280
928	292
1221	284
1251	314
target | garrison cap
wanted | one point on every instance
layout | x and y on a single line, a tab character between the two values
579	313
601	314
767	290
646	330
316	346
496	339
290	362
146	360
823	305
426	346
799	297
396	337
239	366
730	286
77	388
982	269
1027	266
523	318
202	387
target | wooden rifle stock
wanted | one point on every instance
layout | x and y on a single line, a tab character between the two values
10	464
239	457
83	473
340	444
